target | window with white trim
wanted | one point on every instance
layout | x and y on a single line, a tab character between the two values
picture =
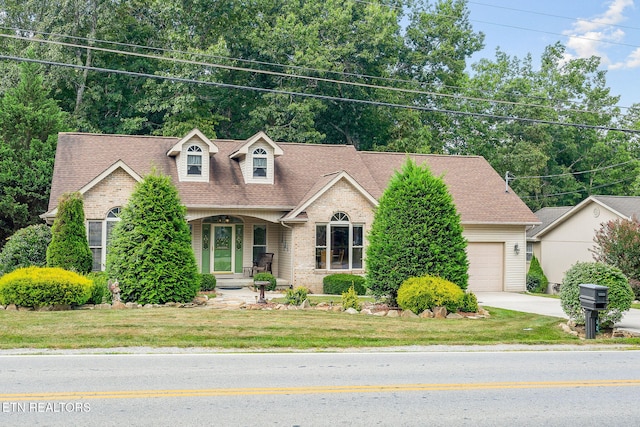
99	236
529	251
339	244
259	156
194	161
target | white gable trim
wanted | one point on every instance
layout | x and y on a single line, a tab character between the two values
575	209
177	148
339	176
48	216
244	149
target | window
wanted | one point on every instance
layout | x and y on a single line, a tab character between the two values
259	241
339	244
194	160
99	236
259	163
529	251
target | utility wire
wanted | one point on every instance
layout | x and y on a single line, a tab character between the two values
583	190
298	76
512	178
324	97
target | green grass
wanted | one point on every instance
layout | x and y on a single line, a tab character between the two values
256	329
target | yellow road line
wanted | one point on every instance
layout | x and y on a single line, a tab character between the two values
124	394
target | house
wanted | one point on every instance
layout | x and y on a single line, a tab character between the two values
311	205
565	235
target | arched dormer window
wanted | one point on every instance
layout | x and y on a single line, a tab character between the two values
339	243
259	163
194	161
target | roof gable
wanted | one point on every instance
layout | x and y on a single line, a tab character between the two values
322	186
195	133
244	148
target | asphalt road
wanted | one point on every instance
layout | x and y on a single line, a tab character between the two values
551	388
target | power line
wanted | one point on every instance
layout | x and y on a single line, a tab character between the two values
512	178
324	97
583	190
287	75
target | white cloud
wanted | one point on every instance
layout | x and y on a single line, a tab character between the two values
587	35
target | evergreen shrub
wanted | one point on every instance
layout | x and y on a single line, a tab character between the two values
44	286
350	299
421	293
207	282
469	303
537	282
150	251
100	292
296	296
620	294
25	248
336	284
416	231
266	277
69	248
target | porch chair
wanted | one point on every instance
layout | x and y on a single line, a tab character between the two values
263	265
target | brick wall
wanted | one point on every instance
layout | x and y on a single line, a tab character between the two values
342	197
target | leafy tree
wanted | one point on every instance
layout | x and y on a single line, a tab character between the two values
29	126
617	243
25	248
69	248
150	251
416	231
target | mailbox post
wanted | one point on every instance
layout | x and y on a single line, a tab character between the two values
593	298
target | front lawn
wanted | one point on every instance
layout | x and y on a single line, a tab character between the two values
255	329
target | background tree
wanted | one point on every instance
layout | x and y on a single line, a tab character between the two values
29	126
150	251
617	243
69	248
416	231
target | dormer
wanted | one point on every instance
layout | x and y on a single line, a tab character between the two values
192	156
257	159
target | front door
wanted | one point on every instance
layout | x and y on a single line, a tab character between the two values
223	245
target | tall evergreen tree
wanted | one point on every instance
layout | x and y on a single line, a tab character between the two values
416	231
69	248
29	126
150	250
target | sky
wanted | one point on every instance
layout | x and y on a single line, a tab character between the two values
609	29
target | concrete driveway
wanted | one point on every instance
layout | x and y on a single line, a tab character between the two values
546	306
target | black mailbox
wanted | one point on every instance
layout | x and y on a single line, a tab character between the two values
593	297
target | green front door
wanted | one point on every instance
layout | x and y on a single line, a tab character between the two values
223	246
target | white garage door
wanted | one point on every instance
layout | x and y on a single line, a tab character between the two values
486	266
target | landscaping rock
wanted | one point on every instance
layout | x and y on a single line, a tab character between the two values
131	305
1	307
11	307
200	300
336	308
393	313
305	304
366	311
118	305
408	314
45	308
25	309
380	313
427	314
454	316
351	310
86	307
440	312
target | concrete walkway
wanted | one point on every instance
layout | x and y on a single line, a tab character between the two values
546	306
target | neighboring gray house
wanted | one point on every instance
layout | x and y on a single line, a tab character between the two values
565	235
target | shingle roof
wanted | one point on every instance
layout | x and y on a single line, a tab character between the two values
625	205
478	191
547	216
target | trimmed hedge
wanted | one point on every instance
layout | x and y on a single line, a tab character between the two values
337	284
100	292
619	293
537	282
421	293
207	282
266	277
43	286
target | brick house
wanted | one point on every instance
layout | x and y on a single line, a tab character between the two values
311	205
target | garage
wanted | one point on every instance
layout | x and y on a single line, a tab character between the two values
486	266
